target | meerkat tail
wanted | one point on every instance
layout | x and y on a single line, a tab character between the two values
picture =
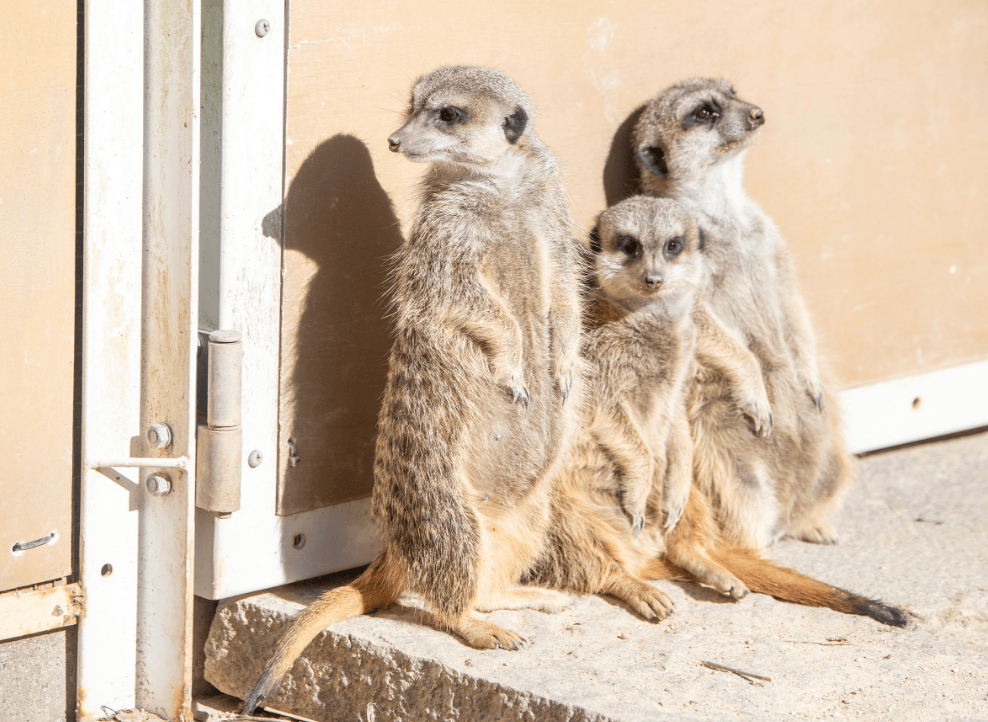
378	586
765	577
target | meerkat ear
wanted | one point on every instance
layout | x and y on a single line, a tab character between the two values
595	240
703	240
653	159
514	125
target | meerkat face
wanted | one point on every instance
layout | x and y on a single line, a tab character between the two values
692	126
648	250
465	115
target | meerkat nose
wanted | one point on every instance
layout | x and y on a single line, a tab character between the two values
756	116
394	145
653	280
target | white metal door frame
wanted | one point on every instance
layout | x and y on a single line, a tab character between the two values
140	252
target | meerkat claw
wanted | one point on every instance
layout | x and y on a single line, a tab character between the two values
637	524
520	395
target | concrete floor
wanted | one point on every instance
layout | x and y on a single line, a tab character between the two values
914	532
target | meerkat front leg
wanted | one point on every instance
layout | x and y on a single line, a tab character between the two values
679	475
564	324
496	330
718	347
799	332
622	440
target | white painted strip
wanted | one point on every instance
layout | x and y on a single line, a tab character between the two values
890	413
30	612
169	341
111	353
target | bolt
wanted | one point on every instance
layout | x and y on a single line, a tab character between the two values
255	459
158	485
262	28
159	436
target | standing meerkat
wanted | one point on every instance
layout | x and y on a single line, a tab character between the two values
689	144
483	383
647	326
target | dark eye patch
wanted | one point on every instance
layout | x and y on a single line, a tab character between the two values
451	114
674	246
629	246
706	113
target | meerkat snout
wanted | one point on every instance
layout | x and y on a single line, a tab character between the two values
756	117
394	145
653	280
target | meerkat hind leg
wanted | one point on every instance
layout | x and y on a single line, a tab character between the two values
525	597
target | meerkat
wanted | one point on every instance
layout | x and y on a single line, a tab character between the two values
689	144
646	325
484	379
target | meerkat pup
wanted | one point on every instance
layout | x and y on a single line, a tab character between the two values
484	383
689	144
647	326
647	280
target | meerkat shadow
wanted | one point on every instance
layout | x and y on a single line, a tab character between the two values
620	173
340	230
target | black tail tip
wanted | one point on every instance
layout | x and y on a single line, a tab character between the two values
253	700
884	613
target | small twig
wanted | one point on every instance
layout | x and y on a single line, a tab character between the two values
744	675
822	644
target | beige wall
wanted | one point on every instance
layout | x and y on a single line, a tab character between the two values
37	285
872	162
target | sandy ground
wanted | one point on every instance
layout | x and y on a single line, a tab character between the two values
914	533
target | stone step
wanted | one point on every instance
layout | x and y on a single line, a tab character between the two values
912	534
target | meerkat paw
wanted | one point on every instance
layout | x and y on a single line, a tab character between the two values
650	602
481	634
759	413
673	505
814	389
514	382
635	507
725	583
819	534
564	373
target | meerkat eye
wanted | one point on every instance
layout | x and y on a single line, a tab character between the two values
674	246
706	113
450	114
630	246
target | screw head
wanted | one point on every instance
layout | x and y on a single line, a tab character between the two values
262	28
158	485
254	459
159	436
299	541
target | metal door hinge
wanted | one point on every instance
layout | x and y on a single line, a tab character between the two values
219	442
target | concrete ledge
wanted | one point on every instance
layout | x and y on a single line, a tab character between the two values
914	533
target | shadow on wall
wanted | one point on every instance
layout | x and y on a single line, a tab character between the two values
340	231
620	173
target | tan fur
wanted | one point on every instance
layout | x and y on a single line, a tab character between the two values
690	143
484	383
635	348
